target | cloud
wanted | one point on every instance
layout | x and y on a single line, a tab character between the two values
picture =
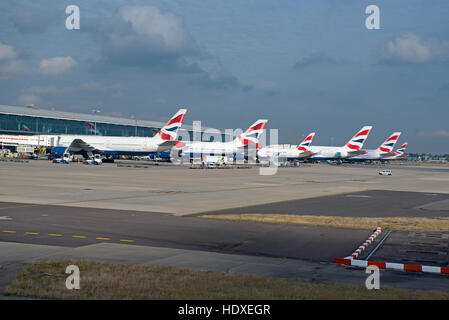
32	21
26	99
145	38
163	31
220	82
9	63
318	58
442	133
92	86
7	52
56	65
116	90
409	48
49	90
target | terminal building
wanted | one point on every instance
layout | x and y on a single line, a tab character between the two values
30	120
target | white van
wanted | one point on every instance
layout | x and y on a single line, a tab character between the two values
385	173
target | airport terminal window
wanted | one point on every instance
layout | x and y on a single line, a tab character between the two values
60	126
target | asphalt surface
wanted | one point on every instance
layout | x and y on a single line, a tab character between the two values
373	203
419	248
75	227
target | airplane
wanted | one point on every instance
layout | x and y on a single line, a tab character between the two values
248	137
289	153
87	145
164	140
399	153
385	150
352	148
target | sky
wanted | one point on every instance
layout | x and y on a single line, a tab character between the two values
306	66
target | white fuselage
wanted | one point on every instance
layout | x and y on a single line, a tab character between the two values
217	148
371	154
282	152
108	144
395	157
325	152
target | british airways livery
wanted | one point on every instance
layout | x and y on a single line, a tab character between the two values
399	153
289	153
385	150
249	137
164	140
352	148
88	145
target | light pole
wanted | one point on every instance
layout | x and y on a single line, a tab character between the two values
95	122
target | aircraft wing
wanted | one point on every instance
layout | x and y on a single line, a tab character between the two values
78	145
168	143
356	153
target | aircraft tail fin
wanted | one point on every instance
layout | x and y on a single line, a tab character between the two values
304	145
169	132
388	145
357	141
251	135
401	150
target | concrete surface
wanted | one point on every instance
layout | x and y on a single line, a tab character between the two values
218	262
372	203
179	190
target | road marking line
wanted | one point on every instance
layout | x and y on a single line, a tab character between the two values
82	237
103	238
55	235
127	240
9	231
20	206
31	233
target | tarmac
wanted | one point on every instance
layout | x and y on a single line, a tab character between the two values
371	203
179	190
147	215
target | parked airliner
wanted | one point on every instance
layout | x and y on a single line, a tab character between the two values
385	150
248	137
287	153
352	148
399	153
88	145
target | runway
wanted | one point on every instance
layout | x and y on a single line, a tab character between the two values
180	190
372	203
75	227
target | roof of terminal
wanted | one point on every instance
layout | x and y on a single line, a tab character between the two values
43	113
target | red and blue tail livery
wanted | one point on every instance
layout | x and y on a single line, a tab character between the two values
251	135
388	145
305	144
357	141
401	150
169	132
